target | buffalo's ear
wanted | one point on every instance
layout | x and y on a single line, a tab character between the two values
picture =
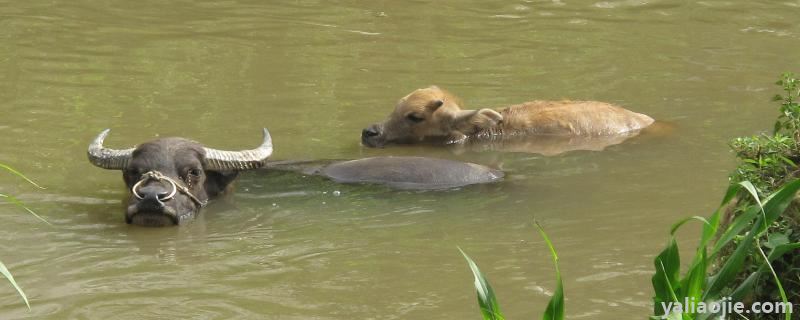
218	181
435	104
470	121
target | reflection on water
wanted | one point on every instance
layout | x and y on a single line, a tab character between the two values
286	246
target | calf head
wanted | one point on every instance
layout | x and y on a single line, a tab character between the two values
429	114
170	179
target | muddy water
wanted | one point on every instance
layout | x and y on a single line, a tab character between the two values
315	73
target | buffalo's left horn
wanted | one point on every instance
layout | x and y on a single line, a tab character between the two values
108	158
220	160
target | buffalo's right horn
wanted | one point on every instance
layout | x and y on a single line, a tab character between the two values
108	158
222	160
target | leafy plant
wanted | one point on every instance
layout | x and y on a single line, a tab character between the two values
769	161
766	161
698	284
789	120
487	300
13	200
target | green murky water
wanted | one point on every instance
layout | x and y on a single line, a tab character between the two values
315	73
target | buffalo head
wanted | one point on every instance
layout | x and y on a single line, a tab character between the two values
170	179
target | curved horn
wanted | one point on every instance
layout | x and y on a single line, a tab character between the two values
220	160
108	158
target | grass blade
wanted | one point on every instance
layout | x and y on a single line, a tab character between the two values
18	203
785	300
486	298
19	174
555	308
4	271
747	285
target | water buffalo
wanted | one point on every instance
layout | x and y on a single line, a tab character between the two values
170	179
434	115
419	173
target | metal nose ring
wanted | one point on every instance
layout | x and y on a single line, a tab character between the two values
161	198
171	194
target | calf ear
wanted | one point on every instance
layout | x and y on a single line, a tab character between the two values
218	181
433	105
470	121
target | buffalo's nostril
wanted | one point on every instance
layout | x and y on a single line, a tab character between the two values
151	202
370	132
164	196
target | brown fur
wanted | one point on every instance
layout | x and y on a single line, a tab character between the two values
442	117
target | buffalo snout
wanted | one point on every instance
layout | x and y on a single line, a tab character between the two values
149	204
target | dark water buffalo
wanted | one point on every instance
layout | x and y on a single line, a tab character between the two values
398	172
547	127
170	179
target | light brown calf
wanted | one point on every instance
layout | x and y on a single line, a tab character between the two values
433	114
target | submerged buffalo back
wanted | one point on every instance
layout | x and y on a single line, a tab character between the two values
411	172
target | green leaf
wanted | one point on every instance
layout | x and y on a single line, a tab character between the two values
555	308
696	279
677	225
731	267
745	287
777	203
739	223
753	192
780	250
776	239
4	271
788	161
665	281
486	298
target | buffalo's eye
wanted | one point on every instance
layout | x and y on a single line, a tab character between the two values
415	118
194	173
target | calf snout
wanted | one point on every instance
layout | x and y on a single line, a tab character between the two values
371	136
371	131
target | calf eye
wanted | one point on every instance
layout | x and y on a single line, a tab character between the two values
415	118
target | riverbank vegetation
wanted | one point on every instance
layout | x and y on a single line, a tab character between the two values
749	246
